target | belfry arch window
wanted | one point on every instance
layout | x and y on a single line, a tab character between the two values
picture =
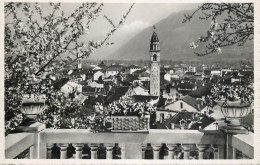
154	57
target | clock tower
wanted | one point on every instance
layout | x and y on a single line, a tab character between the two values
154	65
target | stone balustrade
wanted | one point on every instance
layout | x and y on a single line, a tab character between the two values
158	144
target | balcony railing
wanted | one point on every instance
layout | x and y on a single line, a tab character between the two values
157	144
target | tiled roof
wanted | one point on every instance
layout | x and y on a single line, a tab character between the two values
92	100
247	73
109	83
139	71
204	122
78	72
160	126
123	83
130	78
188	85
161	102
88	109
192	101
114	68
59	83
102	65
141	98
132	66
201	91
88	89
176	118
190	73
115	94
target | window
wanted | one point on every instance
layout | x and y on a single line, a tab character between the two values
181	104
154	57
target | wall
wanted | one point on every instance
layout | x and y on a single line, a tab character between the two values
166	114
176	106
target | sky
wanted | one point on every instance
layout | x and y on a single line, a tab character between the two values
143	15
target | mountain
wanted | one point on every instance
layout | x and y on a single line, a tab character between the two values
175	38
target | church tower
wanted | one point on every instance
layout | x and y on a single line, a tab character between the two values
79	66
154	65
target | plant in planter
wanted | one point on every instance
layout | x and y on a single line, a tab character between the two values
40	44
221	93
235	102
126	115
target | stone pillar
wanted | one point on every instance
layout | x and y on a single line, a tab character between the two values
156	150
143	151
186	150
202	148
49	151
63	150
171	150
122	146
78	147
215	151
109	151
221	151
233	153
93	150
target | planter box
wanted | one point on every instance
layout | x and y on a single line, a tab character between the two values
130	124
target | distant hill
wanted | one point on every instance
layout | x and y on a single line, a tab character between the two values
175	38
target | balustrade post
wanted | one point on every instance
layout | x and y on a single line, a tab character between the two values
63	150
93	149
221	151
49	151
156	150
202	148
186	150
215	151
78	150
122	146
109	151
143	151
171	150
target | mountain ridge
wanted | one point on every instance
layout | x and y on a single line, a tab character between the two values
175	38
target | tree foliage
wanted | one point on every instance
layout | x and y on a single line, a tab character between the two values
35	40
231	24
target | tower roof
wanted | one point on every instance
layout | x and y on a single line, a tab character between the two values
154	37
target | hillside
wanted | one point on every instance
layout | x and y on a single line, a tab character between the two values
175	38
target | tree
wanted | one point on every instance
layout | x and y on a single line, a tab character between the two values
231	24
34	41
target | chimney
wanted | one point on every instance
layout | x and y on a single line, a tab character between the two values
161	117
198	107
172	126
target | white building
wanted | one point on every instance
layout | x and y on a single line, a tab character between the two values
71	86
186	103
138	90
97	75
167	77
95	85
215	73
132	68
